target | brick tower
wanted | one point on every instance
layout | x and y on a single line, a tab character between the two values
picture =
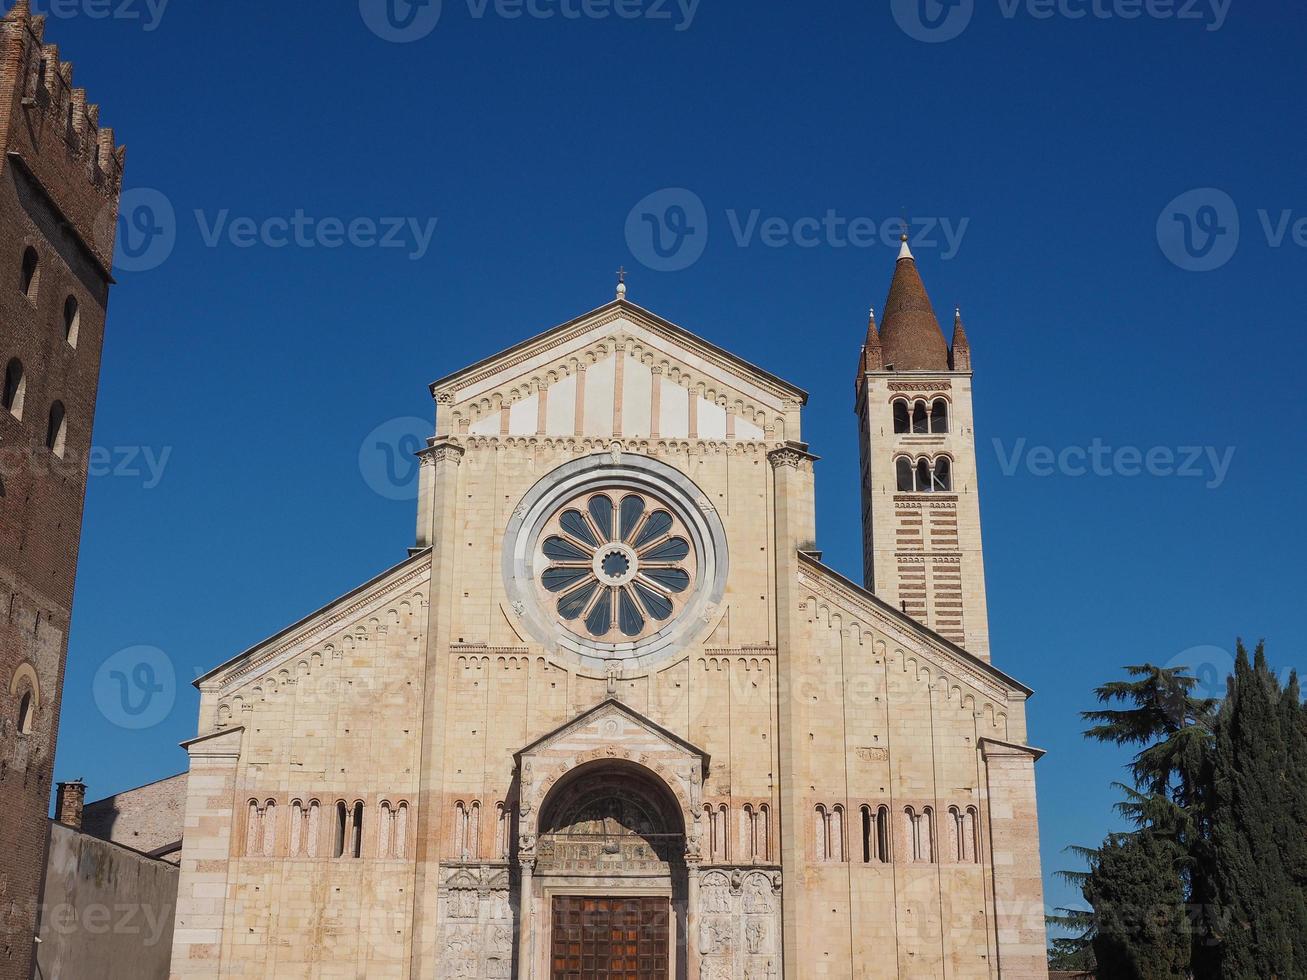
920	502
60	179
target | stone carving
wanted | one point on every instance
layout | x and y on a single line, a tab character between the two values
868	754
739	923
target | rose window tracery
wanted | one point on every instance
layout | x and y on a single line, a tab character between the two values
617	565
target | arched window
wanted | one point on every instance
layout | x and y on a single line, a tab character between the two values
882	835
385	830
15	388
502	817
342	824
942	474
920	423
26	714
835	833
903	472
923	475
821	830
297	818
72	320
401	832
314	828
920	832
356	837
970	838
939	416
269	828
29	279
955	835
56	432
720	845
253	830
460	831
902	417
866	834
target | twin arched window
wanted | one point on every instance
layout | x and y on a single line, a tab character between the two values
926	475
964	843
829	833
920	417
919	829
875	835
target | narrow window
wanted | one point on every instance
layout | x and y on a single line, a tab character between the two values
401	832
314	827
902	417
903	469
764	832
927	824
882	835
920	424
474	831
939	416
296	828
913	829
460	831
501	831
955	835
72	320
822	831
56	432
722	848
253	841
40	74
356	841
269	828
837	833
970	839
866	834
942	475
385	829
15	389
28	281
923	476
25	714
342	819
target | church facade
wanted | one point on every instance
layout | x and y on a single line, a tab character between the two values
613	716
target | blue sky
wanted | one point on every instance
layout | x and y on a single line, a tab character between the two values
1060	150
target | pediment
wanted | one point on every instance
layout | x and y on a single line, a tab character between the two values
612	724
618	372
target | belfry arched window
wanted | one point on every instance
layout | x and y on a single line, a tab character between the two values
924	475
920	422
939	416
942	474
902	417
904	474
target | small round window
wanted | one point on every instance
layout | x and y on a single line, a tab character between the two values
617	565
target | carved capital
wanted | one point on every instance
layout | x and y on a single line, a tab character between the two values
793	454
442	451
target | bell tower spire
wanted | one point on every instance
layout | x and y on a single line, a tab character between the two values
922	548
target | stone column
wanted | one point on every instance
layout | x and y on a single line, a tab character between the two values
526	953
693	858
202	889
1014	852
795	530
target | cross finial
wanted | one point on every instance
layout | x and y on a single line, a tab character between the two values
621	283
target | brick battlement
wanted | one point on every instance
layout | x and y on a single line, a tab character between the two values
49	124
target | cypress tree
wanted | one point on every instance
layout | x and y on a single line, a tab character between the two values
1257	849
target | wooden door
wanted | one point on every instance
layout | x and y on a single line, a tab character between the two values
610	938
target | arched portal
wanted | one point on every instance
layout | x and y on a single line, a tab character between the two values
610	881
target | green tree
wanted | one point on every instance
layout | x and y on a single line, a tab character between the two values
1258	843
1135	887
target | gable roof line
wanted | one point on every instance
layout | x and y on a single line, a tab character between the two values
627	710
905	620
306	620
656	320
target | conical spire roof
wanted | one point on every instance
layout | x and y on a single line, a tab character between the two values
910	334
960	349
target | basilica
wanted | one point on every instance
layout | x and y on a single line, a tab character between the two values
612	716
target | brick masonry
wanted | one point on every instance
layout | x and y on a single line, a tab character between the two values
60	178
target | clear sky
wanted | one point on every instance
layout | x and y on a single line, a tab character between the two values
1104	308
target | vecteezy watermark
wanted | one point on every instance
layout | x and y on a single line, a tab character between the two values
668	230
405	21
1098	459
143	463
136	687
142	919
147	230
1199	231
148	12
145	233
388	458
933	21
301	230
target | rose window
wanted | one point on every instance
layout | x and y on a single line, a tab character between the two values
617	565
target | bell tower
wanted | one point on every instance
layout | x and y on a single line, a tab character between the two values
921	541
